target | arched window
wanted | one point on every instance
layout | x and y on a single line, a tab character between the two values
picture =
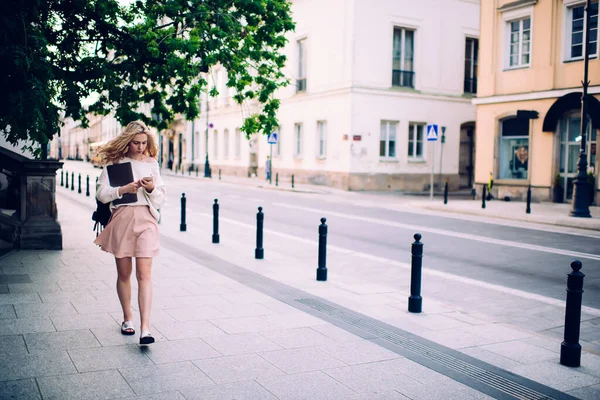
216	144
226	144
514	148
238	143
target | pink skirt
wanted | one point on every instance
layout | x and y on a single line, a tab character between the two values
131	232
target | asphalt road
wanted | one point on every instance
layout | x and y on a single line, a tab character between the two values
530	260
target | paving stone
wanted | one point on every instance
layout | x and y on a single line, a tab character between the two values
243	343
300	337
497	332
338	334
308	385
586	393
197	313
237	368
7	311
249	390
244	310
590	364
206	300
91	385
19	298
303	359
103	358
383	396
187	329
26	325
245	297
75	285
4	289
65	340
491	358
66	297
358	352
10	345
202	290
455	339
522	352
293	320
556	376
243	325
44	310
446	391
19	390
164	378
23	366
180	350
6	279
39	287
97	306
544	342
87	321
158	396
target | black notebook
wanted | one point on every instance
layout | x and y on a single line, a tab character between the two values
121	175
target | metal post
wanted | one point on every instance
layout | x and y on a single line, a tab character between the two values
570	349
443	140
62	175
87	186
277	179
483	196
415	301
72	180
432	170
322	269
67	180
581	200
207	173
528	209
196	172
446	193
79	184
215	236
183	225
292	181
259	252
219	173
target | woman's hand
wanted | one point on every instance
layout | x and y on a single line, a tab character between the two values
129	188
147	184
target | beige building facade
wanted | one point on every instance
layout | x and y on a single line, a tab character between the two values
529	98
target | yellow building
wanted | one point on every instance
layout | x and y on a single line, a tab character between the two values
531	59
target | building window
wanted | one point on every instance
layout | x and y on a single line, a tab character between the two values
216	144
403	58
226	143
322	141
301	80
415	141
514	148
278	144
471	55
298	140
575	31
238	143
519	42
387	139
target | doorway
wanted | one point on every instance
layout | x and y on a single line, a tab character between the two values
466	155
570	143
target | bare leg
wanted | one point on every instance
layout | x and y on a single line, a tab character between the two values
124	268
143	272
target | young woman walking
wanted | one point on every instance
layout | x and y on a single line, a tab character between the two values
133	229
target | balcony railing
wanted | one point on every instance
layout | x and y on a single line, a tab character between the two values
403	78
471	85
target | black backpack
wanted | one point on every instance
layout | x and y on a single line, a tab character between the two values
101	216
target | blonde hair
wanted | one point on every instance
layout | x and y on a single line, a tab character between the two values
117	148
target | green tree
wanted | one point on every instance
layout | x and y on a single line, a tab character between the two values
55	54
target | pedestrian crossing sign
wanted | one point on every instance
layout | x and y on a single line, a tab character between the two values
272	139
432	132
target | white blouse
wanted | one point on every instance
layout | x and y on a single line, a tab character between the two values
141	169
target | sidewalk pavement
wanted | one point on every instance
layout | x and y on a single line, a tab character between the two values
225	338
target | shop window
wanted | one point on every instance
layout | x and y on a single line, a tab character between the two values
514	149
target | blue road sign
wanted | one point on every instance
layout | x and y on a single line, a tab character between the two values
432	132
272	139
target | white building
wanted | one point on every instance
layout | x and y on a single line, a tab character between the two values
367	77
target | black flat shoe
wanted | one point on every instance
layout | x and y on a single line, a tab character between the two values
146	338
127	328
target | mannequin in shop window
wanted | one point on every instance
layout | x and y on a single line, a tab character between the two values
520	162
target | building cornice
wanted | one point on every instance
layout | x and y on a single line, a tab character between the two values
517	4
548	94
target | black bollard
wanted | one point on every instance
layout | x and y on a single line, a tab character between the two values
415	301
292	181
259	252
196	172
570	349
67	179
483	196
446	193
87	186
72	180
322	269
474	193
219	174
277	179
62	180
183	225
215	236
79	184
190	171
528	210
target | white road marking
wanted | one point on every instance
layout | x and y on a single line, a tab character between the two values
445	275
467	236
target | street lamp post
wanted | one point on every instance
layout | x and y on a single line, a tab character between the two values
581	200
206	163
